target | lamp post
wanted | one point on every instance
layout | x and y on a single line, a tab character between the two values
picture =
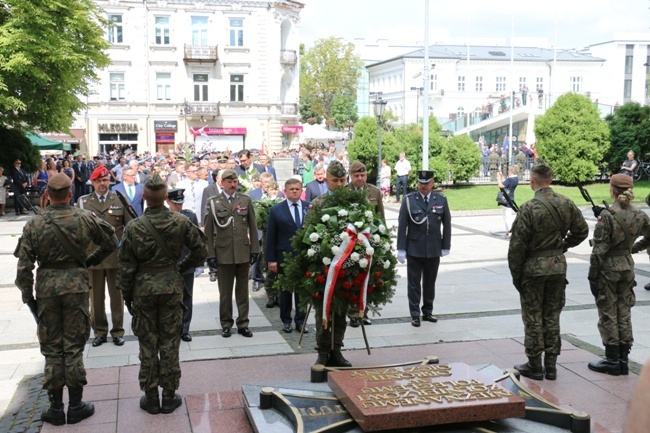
417	107
185	110
379	105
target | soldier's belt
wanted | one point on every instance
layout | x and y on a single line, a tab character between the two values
617	253
60	265
546	253
156	269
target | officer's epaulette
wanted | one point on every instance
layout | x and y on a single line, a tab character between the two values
439	192
411	194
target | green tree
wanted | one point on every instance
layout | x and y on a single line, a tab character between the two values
17	146
459	159
328	69
572	138
630	130
344	110
49	52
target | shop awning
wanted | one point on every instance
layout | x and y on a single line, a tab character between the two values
43	143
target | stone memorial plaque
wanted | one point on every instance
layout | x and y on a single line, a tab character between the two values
424	395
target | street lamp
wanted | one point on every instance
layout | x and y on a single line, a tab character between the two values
185	110
379	105
417	108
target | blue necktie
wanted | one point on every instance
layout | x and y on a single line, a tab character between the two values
296	214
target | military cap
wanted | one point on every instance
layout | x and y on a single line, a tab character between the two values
177	195
425	176
357	167
195	159
155	183
229	174
336	169
622	181
99	172
58	182
205	156
222	159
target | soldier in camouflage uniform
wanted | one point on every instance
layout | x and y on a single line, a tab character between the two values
62	286
151	281
611	273
327	354
493	165
546	227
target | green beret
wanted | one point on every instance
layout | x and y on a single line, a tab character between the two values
58	182
357	167
229	174
336	169
155	183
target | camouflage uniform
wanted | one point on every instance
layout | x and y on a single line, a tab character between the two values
612	267
61	287
493	165
153	280
538	266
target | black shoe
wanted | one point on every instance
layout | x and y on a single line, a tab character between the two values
415	321
78	410
354	322
98	341
213	278
186	337
150	402
337	360
170	402
323	358
272	302
429	318
245	332
533	371
226	332
118	341
54	414
299	329
287	328
367	321
647	286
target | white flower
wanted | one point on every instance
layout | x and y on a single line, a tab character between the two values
327	261
386	246
345	236
376	238
355	257
386	264
381	228
370	251
359	224
311	252
368	214
325	218
335	250
343	213
363	262
314	237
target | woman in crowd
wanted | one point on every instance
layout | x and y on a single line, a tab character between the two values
40	181
307	170
68	171
384	175
509	185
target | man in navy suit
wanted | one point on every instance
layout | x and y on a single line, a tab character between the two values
285	218
246	168
264	162
318	186
131	190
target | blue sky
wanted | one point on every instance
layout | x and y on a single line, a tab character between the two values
579	22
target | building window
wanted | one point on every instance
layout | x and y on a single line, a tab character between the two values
539	82
200	31
433	82
117	86
115	35
576	84
164	86
461	83
162	31
522	82
501	84
479	84
236	32
628	64
200	87
627	89
236	88
460	112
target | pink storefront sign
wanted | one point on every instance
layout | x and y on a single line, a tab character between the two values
208	130
295	129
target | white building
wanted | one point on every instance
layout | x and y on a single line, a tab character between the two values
217	73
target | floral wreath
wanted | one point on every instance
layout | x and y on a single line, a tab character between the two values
262	208
342	258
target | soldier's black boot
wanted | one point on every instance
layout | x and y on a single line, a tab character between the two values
550	367
532	369
337	360
623	358
170	400
322	359
54	413
610	364
150	401
78	410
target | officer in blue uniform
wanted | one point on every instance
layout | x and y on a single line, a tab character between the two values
423	236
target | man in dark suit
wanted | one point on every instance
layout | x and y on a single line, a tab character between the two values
19	178
264	162
131	190
80	177
246	168
423	236
285	218
318	186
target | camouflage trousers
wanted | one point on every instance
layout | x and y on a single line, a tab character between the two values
542	299
157	322
615	301
63	329
324	336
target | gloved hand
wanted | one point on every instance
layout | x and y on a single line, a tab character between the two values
635	249
593	286
444	253
401	256
254	257
31	304
212	262
91	261
129	305
597	210
517	285
198	271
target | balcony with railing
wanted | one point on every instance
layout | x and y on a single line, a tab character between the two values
200	54
288	58
202	109
289	109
